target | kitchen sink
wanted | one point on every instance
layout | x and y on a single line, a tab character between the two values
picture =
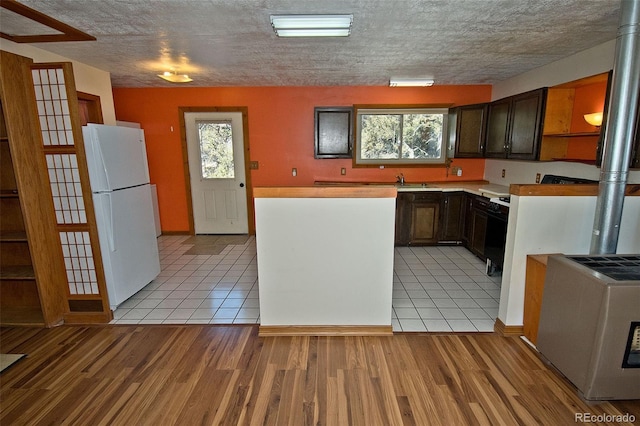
412	185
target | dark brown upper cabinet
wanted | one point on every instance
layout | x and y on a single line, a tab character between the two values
470	129
333	132
497	127
514	126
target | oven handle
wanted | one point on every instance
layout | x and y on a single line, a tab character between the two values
500	216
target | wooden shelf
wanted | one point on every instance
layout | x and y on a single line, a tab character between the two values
21	317
17	273
572	135
576	160
13	237
8	193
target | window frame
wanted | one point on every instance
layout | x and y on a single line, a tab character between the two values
359	110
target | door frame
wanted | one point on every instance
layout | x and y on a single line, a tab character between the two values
247	160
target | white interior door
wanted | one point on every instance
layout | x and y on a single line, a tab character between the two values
216	165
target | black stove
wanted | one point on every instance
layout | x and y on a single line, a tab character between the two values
565	180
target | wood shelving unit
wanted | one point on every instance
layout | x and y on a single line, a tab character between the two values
32	277
19	299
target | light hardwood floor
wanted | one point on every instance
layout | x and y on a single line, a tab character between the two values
209	374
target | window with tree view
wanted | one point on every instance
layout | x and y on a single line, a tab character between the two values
216	149
393	136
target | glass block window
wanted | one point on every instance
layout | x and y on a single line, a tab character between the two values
78	260
66	188
53	107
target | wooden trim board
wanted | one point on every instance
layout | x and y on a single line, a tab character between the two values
368	191
325	330
565	190
507	330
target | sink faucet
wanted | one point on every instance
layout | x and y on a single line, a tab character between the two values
400	179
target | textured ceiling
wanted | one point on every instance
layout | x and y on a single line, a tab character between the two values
231	42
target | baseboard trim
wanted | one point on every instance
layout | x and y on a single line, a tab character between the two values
507	330
325	330
88	318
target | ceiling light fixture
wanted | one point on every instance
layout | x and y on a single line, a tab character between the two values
410	82
174	77
595	119
312	25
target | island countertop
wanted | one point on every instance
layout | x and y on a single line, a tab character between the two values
479	187
351	191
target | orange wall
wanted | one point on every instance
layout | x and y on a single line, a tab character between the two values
588	99
281	134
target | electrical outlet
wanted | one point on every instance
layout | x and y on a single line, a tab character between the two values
503	173
343	171
537	177
294	172
254	165
459	173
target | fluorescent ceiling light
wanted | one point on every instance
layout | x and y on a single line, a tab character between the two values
312	25
410	82
174	77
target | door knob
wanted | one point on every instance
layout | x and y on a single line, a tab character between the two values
241	185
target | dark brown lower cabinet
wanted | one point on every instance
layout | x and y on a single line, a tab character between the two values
430	218
425	214
475	228
452	217
417	218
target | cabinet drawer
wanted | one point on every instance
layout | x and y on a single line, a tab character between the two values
426	196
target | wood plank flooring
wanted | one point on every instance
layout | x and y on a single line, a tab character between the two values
191	374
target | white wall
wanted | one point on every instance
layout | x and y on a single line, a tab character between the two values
544	225
325	261
525	171
88	79
589	62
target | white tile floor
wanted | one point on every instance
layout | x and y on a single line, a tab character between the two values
434	289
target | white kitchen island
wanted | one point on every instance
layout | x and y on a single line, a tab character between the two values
325	259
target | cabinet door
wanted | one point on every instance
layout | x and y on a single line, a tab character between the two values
467	226
525	127
425	217
452	217
470	130
497	127
403	218
333	132
475	229
479	231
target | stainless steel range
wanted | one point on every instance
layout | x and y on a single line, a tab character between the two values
590	323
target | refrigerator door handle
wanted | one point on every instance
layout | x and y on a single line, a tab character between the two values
108	212
99	159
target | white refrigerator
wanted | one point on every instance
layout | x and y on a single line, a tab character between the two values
119	177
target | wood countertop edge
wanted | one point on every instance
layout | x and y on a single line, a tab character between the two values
364	191
565	190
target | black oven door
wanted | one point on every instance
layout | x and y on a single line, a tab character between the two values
495	240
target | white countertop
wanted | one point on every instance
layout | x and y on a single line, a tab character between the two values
489	190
